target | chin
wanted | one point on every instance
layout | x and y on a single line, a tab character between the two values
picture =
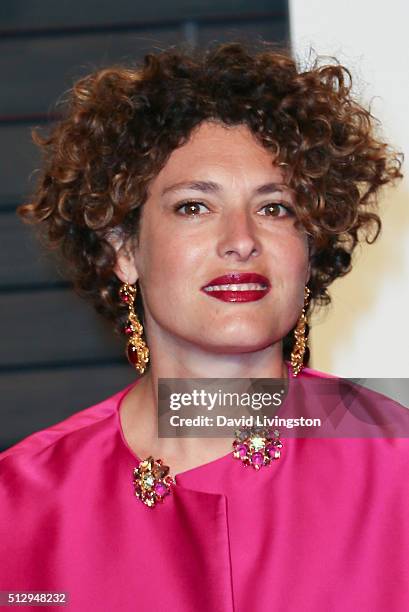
236	343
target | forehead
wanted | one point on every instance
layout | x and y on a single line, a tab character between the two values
216	147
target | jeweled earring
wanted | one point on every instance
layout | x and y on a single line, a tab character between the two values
301	337
136	350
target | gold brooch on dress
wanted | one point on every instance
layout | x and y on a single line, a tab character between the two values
257	446
152	482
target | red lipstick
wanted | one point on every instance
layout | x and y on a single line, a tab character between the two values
218	289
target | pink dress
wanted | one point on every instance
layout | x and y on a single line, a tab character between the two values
323	529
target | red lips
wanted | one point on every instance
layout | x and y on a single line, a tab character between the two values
238	278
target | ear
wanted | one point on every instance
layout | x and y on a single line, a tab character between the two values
308	274
310	254
125	267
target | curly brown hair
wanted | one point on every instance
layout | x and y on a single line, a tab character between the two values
120	126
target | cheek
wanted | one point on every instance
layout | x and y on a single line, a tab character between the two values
172	263
293	255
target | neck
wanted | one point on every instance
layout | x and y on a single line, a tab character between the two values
139	411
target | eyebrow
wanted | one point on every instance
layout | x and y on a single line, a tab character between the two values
211	187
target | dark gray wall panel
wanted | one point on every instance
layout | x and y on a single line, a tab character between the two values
48	13
19	158
269	30
38	71
34	400
22	260
53	327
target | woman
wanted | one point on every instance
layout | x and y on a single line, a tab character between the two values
203	204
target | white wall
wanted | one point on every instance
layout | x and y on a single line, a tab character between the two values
366	331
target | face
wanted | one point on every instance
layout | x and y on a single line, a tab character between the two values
218	206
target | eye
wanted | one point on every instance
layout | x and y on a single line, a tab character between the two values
276	209
191	207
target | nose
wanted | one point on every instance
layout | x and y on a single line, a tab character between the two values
238	238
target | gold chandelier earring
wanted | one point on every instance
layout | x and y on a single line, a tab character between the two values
301	337
136	350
